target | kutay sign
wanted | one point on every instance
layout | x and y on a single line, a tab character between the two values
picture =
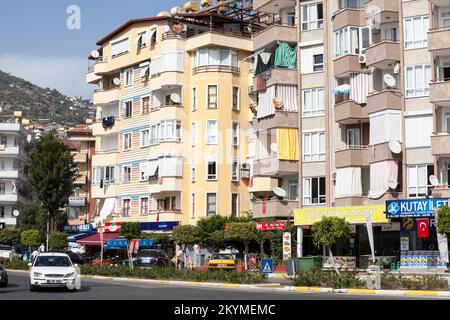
266	226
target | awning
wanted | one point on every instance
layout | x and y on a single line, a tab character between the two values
108	208
75	237
144	71
152	166
94	240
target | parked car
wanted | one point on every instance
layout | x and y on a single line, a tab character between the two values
75	248
3	277
221	261
147	258
54	270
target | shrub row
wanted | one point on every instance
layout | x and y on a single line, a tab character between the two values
422	282
328	279
14	264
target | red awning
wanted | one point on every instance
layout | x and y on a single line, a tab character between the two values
94	240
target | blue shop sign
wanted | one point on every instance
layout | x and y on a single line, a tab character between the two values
159	226
79	228
414	207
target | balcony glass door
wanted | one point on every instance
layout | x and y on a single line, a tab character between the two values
353	138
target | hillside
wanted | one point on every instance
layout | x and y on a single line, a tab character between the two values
36	103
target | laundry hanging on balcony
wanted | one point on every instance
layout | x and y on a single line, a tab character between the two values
348	182
381	174
108	122
287	144
360	84
265	103
285	56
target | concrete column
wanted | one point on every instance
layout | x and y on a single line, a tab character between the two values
299	242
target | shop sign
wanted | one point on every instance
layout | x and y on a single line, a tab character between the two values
414	207
287	246
404	243
267	226
111	227
353	215
78	228
393	226
408	225
158	226
77	201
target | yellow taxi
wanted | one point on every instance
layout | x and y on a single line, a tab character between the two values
221	261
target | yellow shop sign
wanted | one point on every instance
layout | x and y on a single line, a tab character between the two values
354	215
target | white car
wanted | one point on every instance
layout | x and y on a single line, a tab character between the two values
54	270
75	248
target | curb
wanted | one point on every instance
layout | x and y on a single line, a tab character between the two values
277	287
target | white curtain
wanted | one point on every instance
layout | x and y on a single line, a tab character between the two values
348	182
359	86
261	150
288	94
265	103
380	174
156	65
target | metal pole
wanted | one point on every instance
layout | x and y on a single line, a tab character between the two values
48	228
299	242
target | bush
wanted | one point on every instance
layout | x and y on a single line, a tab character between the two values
58	240
328	279
170	273
14	264
423	282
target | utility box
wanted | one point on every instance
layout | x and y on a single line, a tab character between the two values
311	264
374	277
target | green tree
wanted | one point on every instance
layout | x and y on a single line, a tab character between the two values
52	172
31	238
443	220
242	232
187	234
10	236
207	226
58	240
328	231
33	216
218	239
130	230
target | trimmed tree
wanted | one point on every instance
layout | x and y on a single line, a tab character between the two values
443	220
10	237
31	238
32	216
328	231
130	230
57	240
242	232
52	172
207	226
185	235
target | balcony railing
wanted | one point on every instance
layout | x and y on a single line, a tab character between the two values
92	64
172	35
341	97
216	68
351	4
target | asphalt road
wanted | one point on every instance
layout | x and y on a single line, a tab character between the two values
98	289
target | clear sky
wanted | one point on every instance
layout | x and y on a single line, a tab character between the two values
37	45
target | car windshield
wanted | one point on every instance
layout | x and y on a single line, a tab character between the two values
147	254
56	261
220	256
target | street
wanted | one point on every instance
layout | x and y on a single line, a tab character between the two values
97	289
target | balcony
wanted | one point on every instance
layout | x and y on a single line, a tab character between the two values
279	76
440	3
274	208
349	112
381	152
12	174
11	198
216	68
384	11
9	221
383	55
439	41
165	184
276	32
348	15
272	6
281	119
382	100
272	166
352	157
440	93
263	184
12	151
106	95
79	157
222	37
346	64
440	144
441	192
108	191
99	130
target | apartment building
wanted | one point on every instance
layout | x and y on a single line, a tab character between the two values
82	145
14	189
172	113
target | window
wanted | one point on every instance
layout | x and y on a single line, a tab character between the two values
313	102
293	190
170	130
126	207
416	32
128	74
120	47
446	124
313	190
445	18
128	109
2	188
216	56
145	138
193	205
126	174
417	80
144	206
4	140
290	18
351	40
418	130
211	169
236	98
211	204
212	97
153	135
314	146
312	16
193	171
235	170
153	34
234	204
318	62
127	141
211	132
385	126
142	40
145	105
2	164
110	175
235	134
2	211
353	137
194	99
107	174
418	180
193	134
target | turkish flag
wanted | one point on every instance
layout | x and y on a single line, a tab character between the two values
422	228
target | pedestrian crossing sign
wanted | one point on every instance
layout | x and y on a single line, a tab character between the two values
266	266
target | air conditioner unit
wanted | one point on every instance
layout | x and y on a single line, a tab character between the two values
362	58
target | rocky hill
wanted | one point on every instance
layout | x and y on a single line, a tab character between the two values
38	103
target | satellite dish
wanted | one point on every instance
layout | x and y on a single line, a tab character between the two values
392	183
16	213
274	147
175	97
166	28
395	146
116	81
434	180
176	10
280	192
164	14
389	80
95	54
397	68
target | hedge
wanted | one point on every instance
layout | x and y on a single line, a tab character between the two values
418	282
14	264
328	279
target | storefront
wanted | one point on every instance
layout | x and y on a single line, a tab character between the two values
354	252
418	234
164	226
76	232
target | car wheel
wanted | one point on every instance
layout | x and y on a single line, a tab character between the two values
73	290
33	288
4	284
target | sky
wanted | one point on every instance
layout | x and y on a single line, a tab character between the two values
36	43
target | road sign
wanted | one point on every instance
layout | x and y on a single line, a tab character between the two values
266	266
